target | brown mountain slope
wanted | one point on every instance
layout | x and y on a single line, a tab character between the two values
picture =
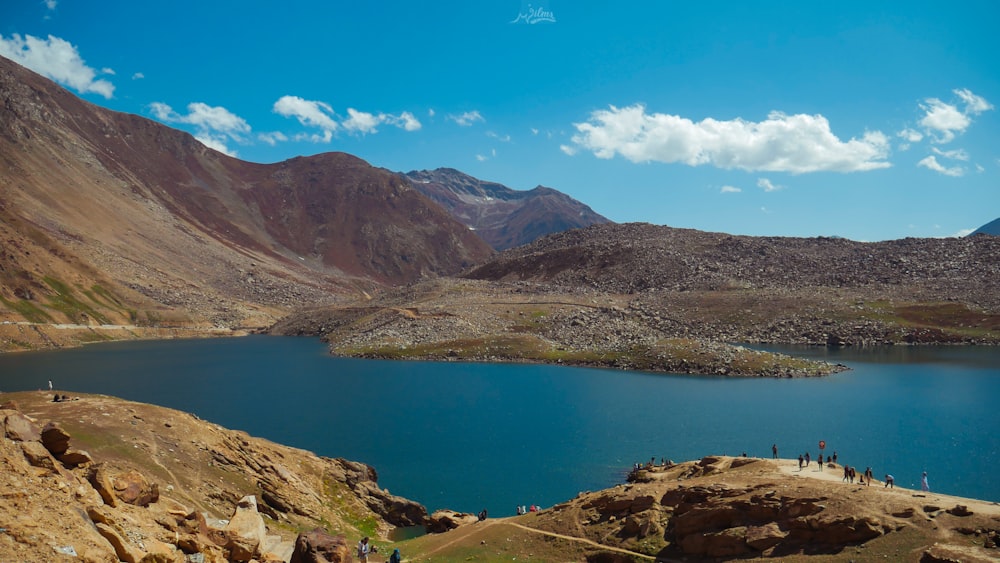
113	218
503	217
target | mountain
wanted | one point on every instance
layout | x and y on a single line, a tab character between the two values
991	228
113	218
503	217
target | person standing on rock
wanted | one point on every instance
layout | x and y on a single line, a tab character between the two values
363	550
924	486
774	451
869	475
800	462
807	459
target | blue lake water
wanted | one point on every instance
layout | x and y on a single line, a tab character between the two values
472	436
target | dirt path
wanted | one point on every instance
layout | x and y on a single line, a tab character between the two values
582	540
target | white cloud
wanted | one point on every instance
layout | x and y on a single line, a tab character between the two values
944	121
138	76
501	138
57	59
272	138
361	121
107	70
767	186
568	149
467	119
321	115
430	112
781	143
482	158
910	136
51	4
534	131
730	190
213	125
931	163
980	169
963	233
973	104
406	121
956	154
309	114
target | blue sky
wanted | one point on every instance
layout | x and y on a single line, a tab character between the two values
867	120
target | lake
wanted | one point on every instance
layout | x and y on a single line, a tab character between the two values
472	436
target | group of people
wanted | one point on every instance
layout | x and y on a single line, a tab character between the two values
524	509
851	473
365	548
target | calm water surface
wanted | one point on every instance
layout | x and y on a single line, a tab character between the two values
473	436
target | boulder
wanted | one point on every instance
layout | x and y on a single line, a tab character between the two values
100	479
443	520
705	519
246	530
125	551
318	546
55	439
75	458
132	487
20	428
38	456
397	511
959	510
730	542
764	537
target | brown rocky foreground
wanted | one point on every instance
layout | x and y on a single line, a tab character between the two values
100	479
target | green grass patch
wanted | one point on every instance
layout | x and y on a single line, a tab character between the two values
66	302
27	309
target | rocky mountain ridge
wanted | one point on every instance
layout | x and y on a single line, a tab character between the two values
110	218
503	217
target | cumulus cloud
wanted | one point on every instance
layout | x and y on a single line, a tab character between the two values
310	114
361	121
973	104
321	115
406	121
568	149
467	119
781	143
931	163
767	185
944	121
909	136
138	76
730	190
214	125
57	59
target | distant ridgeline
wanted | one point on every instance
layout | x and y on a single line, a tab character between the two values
991	228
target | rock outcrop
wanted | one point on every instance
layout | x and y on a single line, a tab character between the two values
217	497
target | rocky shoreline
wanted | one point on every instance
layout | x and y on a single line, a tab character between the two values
98	479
